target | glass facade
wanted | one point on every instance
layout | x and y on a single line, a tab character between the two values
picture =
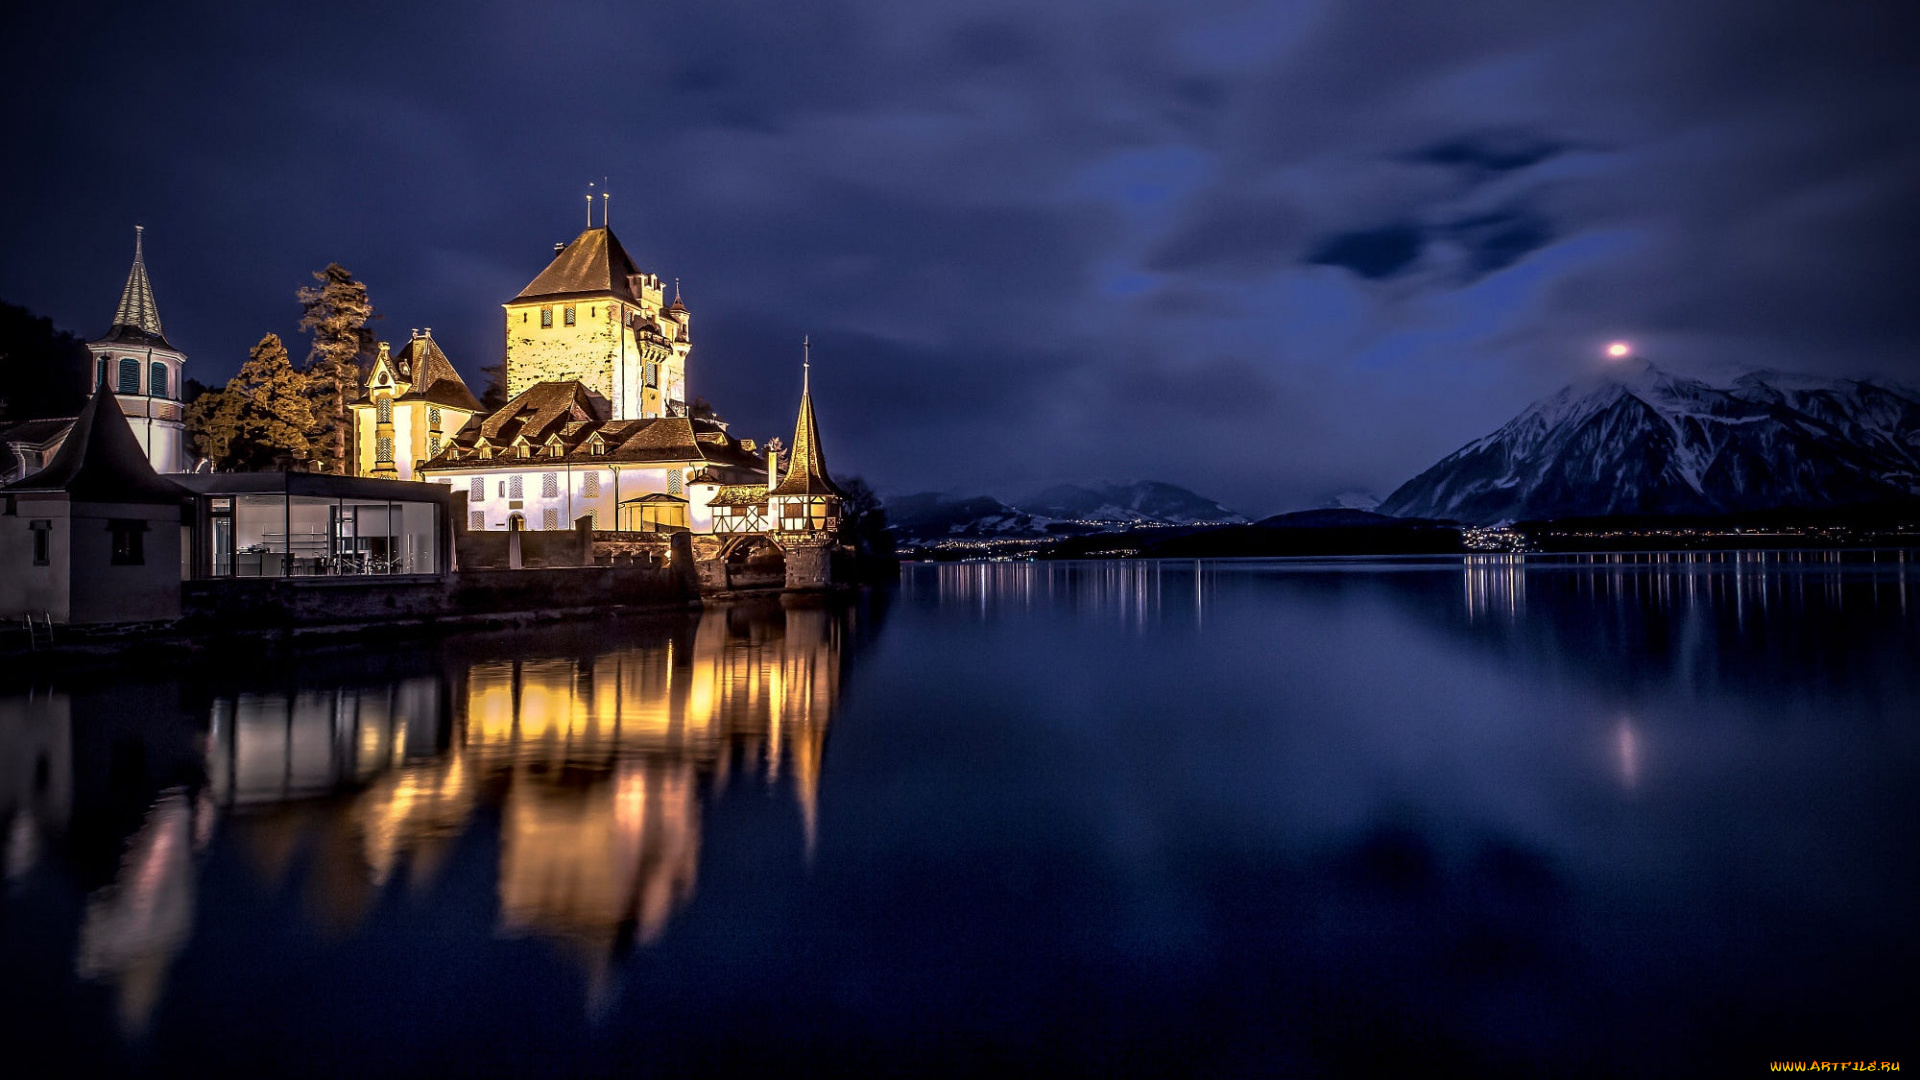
282	535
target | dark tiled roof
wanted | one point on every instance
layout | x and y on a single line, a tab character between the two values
538	410
656	498
36	432
433	376
133	337
102	462
563	413
593	265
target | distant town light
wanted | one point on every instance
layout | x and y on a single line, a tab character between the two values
1619	349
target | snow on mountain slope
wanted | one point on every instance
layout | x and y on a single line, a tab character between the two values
1648	442
1061	510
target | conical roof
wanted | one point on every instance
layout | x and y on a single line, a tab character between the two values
137	317
593	265
807	467
102	462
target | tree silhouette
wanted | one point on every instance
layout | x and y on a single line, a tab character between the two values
336	313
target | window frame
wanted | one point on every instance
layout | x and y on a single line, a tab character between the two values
129	544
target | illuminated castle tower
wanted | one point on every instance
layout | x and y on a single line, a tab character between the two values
144	372
593	316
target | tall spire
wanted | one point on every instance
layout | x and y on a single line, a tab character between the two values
137	309
807	467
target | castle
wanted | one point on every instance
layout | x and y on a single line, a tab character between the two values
599	429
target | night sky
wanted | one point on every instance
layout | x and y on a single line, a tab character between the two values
1272	252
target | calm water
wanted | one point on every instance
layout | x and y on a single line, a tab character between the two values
1552	817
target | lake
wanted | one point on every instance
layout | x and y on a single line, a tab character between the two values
1545	815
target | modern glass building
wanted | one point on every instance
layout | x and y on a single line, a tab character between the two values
312	524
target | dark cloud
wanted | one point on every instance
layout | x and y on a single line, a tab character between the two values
1372	253
1496	240
1267	250
1490	153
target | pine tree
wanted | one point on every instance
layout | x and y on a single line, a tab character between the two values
493	397
277	412
213	425
336	314
260	419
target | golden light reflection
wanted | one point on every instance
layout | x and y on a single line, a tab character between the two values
598	766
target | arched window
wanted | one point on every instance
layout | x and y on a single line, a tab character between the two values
129	375
157	379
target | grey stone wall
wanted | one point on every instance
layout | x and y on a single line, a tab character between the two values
268	603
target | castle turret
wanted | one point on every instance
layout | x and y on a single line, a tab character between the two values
135	362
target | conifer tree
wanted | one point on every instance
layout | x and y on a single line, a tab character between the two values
336	313
261	419
213	424
493	397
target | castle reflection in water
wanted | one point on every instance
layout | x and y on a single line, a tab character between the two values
596	766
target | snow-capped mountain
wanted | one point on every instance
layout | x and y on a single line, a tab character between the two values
1066	509
1648	442
1131	503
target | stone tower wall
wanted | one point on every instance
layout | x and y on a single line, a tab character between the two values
589	350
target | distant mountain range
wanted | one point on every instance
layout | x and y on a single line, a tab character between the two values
1646	442
1063	510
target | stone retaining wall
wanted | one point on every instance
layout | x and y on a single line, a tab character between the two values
264	603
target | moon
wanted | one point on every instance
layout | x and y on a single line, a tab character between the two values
1619	350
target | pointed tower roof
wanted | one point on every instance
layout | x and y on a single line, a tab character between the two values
102	462
807	468
432	375
137	320
593	265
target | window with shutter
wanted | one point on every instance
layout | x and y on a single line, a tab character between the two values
157	379
433	418
550	520
546	318
477	521
515	489
549	485
477	489
673	481
384	409
129	375
592	485
568	313
383	449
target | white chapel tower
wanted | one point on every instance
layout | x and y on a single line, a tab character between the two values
144	372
